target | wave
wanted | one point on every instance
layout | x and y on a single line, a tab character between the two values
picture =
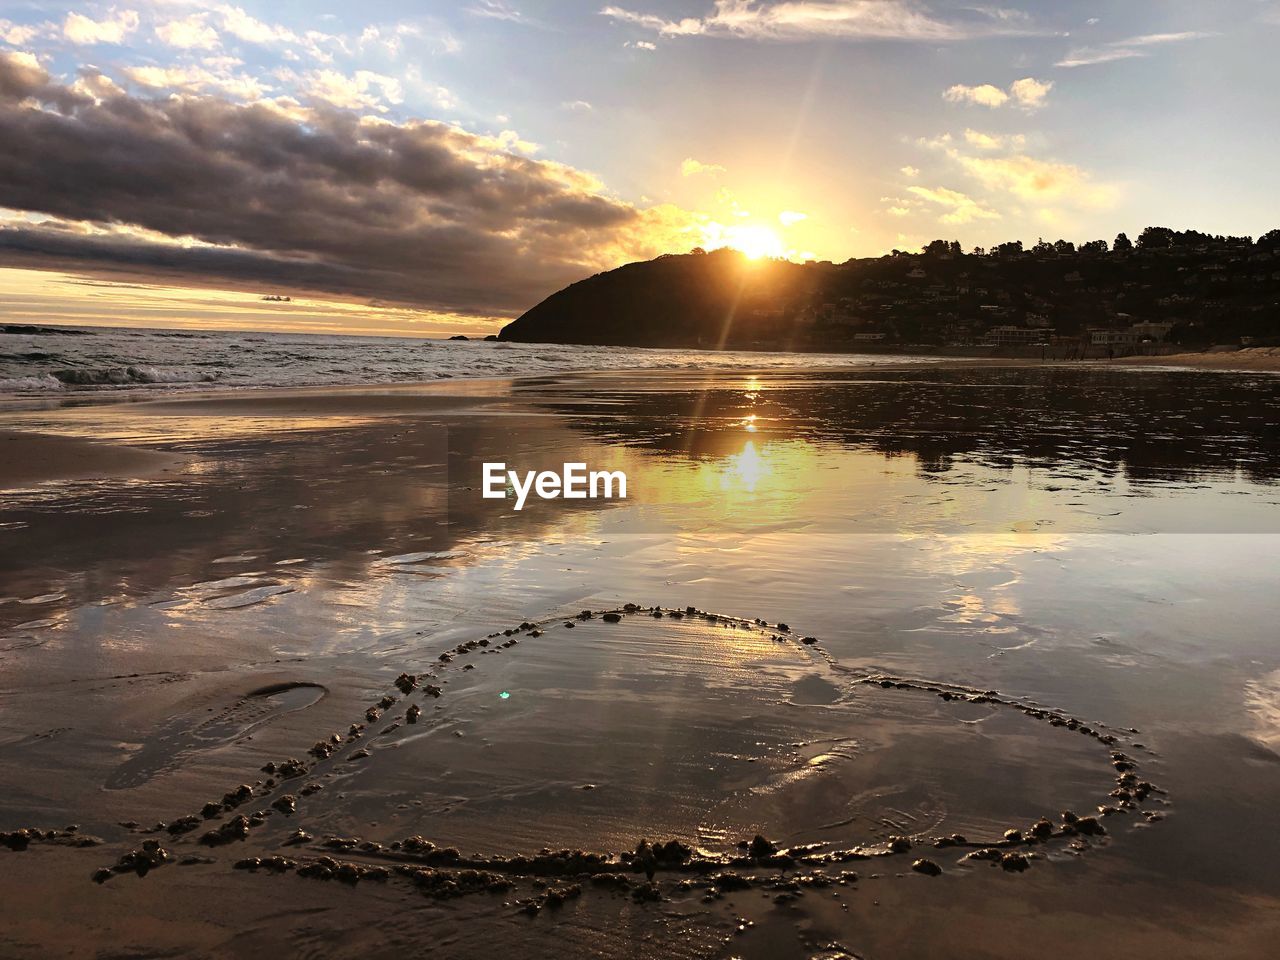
127	376
37	384
29	329
138	359
31	356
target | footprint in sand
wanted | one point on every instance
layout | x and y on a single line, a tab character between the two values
185	735
231	593
249	597
10	645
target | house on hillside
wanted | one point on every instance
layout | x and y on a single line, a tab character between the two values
1009	334
1101	337
1151	330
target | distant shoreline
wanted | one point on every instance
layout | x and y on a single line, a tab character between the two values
1258	359
1246	360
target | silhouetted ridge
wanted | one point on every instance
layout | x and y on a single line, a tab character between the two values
1169	287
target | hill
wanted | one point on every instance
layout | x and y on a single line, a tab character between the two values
1180	288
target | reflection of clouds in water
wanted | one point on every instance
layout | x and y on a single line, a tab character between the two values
987	577
1262	700
961	553
970	608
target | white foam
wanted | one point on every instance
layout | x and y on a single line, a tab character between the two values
104	359
41	383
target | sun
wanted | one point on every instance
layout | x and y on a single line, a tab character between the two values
755	241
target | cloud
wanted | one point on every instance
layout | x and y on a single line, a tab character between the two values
1153	39
363	90
689	26
910	172
690	167
1006	14
791	217
189	33
95	86
17	34
113	28
985	94
987	141
1028	93
391	38
641	45
496	10
577	106
21	74
807	19
1086	56
238	23
981	140
999	164
960	207
510	140
200	191
196	79
1126	49
1040	181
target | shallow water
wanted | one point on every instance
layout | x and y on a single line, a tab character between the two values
1099	543
58	361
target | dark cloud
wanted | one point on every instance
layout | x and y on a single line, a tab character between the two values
419	213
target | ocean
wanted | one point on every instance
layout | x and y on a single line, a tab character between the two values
48	360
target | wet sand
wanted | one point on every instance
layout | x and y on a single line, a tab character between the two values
878	619
1260	359
27	458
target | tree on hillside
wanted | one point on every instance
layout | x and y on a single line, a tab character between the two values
941	248
1155	238
1123	244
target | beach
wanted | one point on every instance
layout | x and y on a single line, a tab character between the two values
272	649
1261	359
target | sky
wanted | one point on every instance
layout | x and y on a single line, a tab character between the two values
431	168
